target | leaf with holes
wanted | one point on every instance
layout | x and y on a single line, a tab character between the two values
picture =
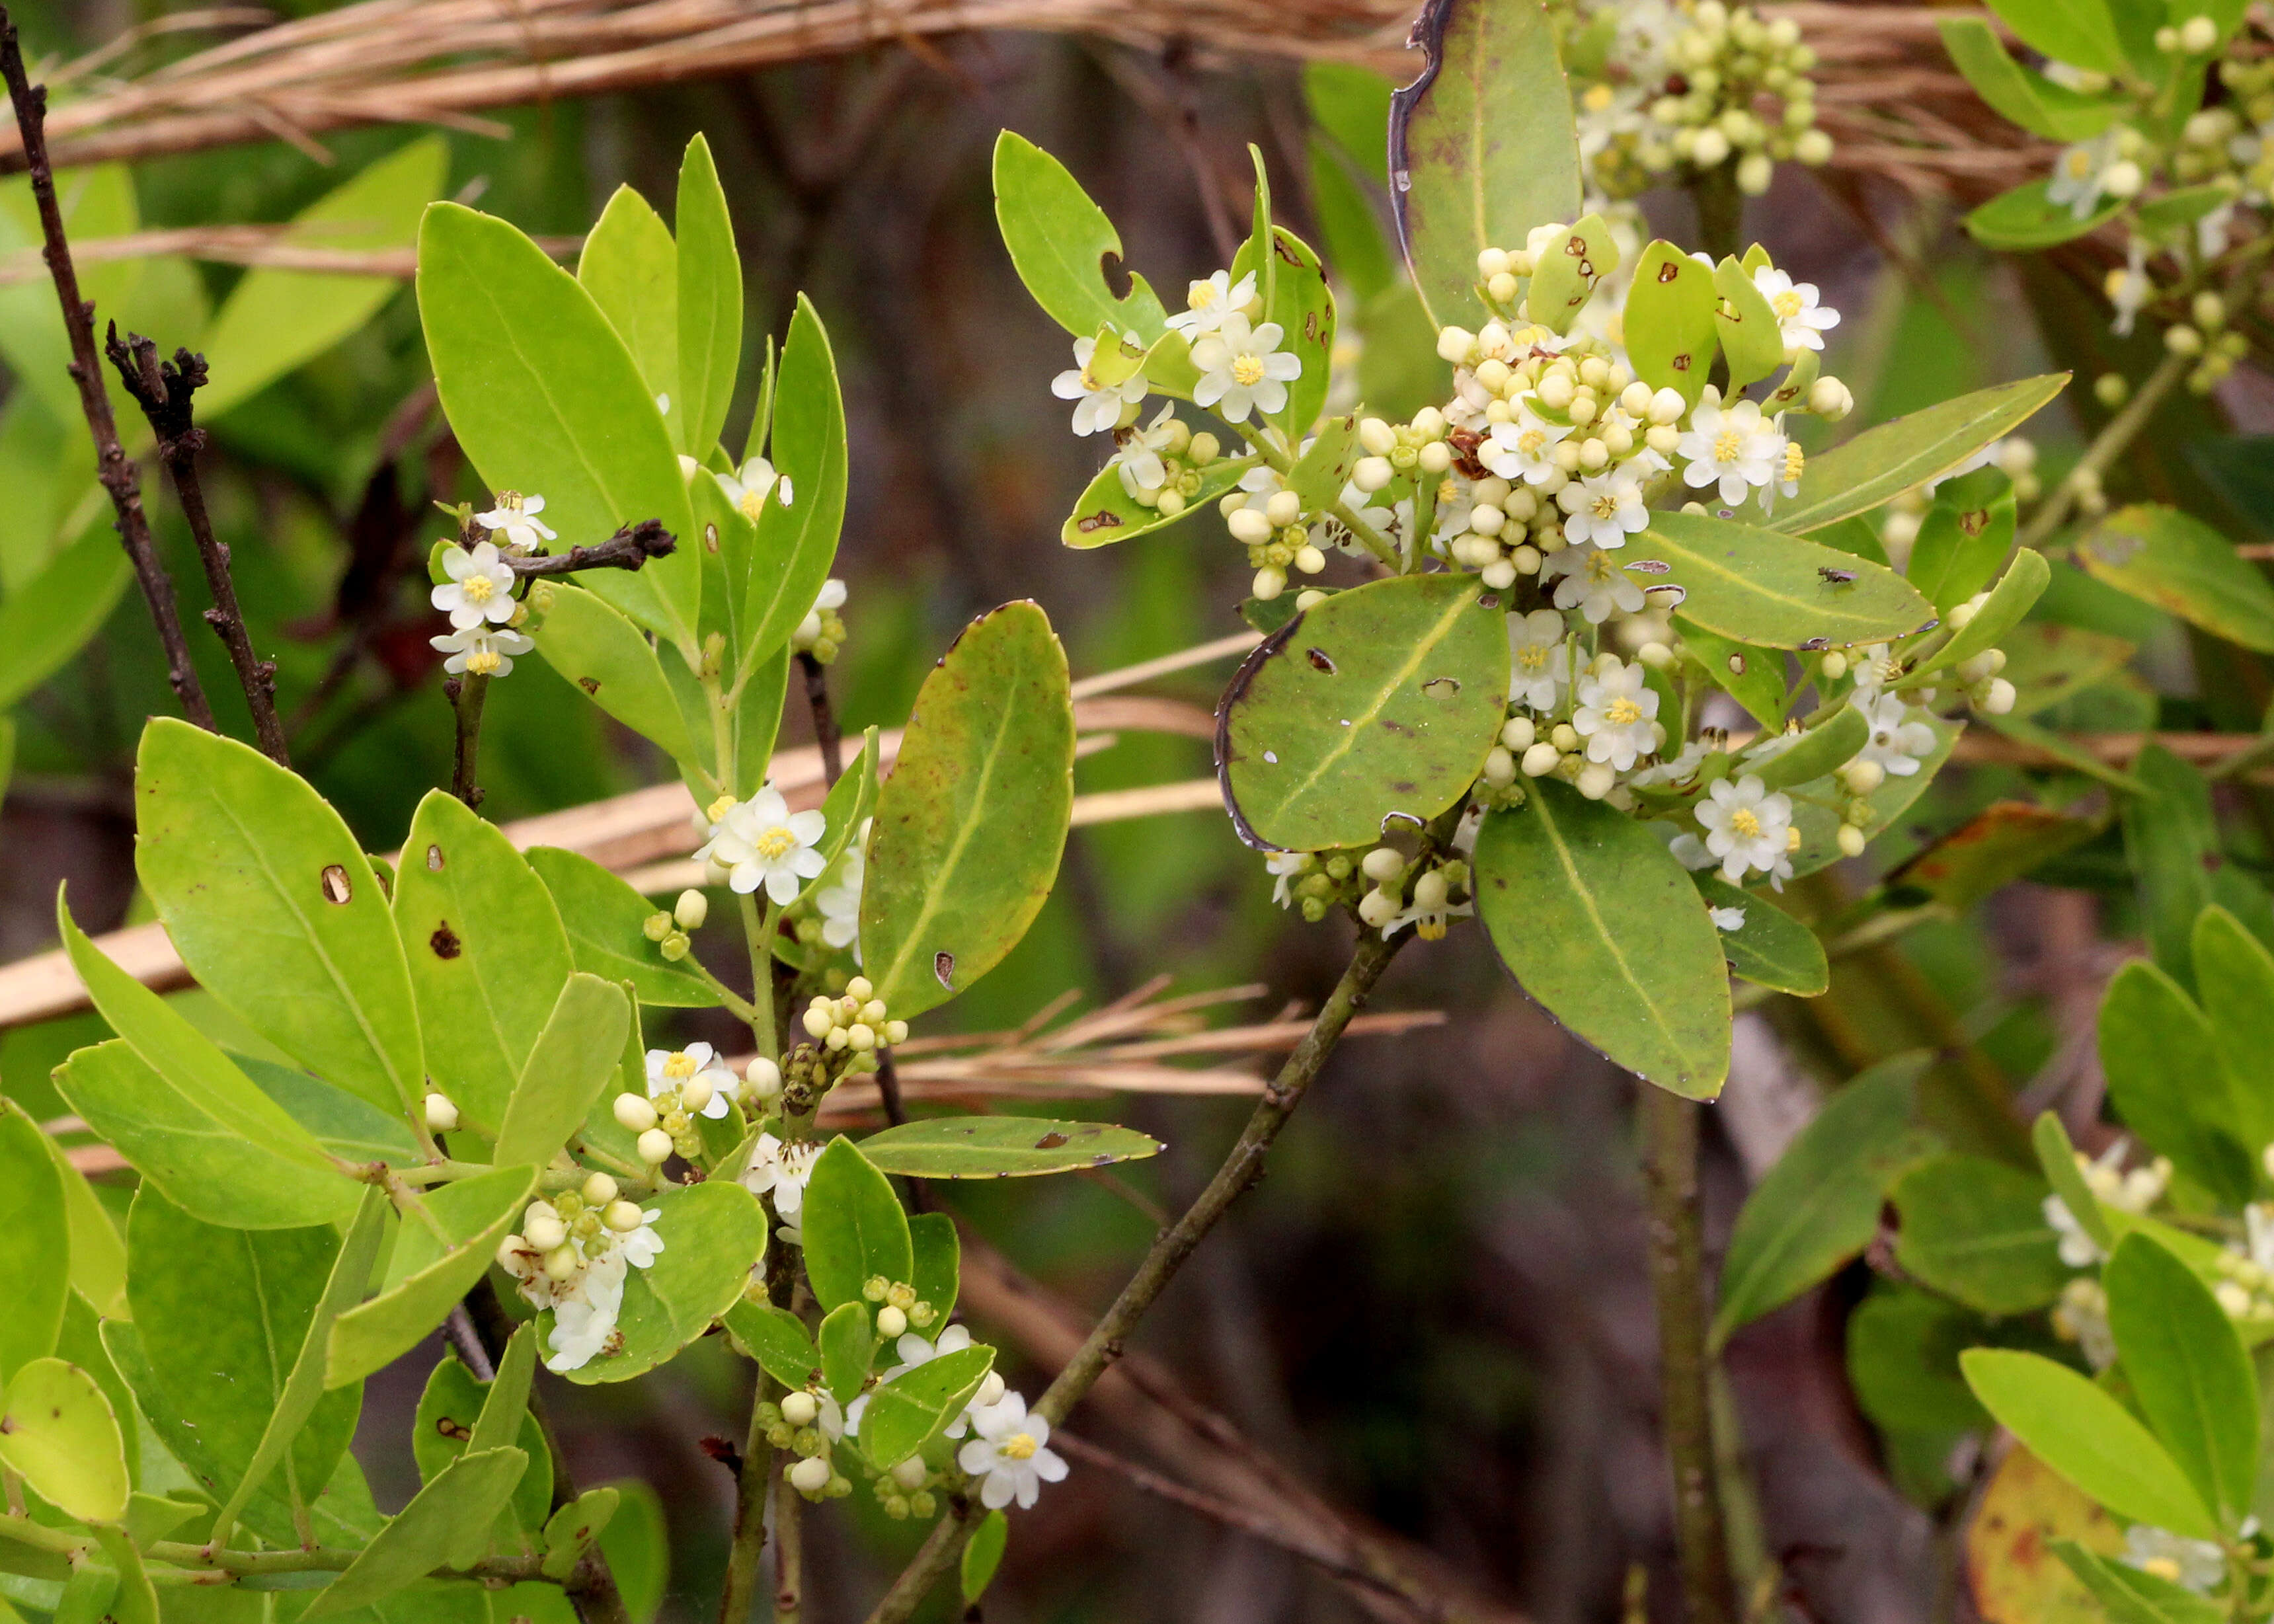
1060	242
1669	326
1107	513
1380	703
1001	1146
1775	590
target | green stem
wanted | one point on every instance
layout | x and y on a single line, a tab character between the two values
759	930
2115	437
737	1006
752	1485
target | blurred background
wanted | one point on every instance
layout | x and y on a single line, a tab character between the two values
1434	1311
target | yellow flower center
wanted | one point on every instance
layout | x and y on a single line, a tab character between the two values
1605	505
2078	163
1598	97
1623	713
485	663
1531	442
1788	304
510	500
754	502
1794	462
1019	1447
1200	296
478	589
1601	567
679	1067
1533	656
1247	369
1745	825
719	808
775	843
1726	445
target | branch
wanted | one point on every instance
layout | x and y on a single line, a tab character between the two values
628	548
466	694
119	476
163	391
826	735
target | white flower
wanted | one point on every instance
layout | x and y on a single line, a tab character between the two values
761	842
1746	826
1683	766
2258	1221
642	1247
1243	369
1011	1454
584	1318
1524	449
840	903
2080	173
1801	322
1210	301
667	1069
831	596
1100	404
1617	715
2196	1565
516	516
1539	666
1138	459
1283	867
480	587
780	1171
2128	288
2078	1249
749	486
485	651
1734	445
1726	919
2081	1316
1896	742
1875	668
1603	509
1590	580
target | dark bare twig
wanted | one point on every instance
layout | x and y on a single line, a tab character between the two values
826	733
164	390
466	694
119	476
629	548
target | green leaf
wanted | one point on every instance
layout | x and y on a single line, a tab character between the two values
2017	93
855	1229
796	543
713	1233
939	1260
630	266
1001	1146
1976	1229
1356	246
1963	538
486	952
1752	340
451	1411
1885	461
221	1314
2171	840
58	1431
2129	1595
1296	296
347	1125
2165	1080
98	1253
1769	587
274	320
710	302
1602	926
1830	744
2002	842
2189	1371
2024	582
2057	1160
2080	32
424	1278
573	1061
777	1338
1670	322
469	1493
274	909
2027	218
2182	566
135	1602
571	1531
1482	146
1320	473
1105	511
1060	241
95	201
637	1545
1570	264
910	1411
2171	214
848	1341
1771	948
602	652
2235	974
1752	677
1818	1206
603	916
970	826
48	619
2087	1437
546	400
1351	105
1381	702
983	1554
35	1235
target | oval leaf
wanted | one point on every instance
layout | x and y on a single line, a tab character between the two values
910	1411
36	1236
1976	1229
572	1060
424	1277
1883	461
1105	511
1001	1146
1061	241
795	544
1670	322
2189	1371
1775	590
1771	948
468	1493
855	1229
597	648
710	302
2180	564
711	1234
60	1432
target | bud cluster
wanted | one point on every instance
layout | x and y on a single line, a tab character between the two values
808	1423
853	1026
563	1235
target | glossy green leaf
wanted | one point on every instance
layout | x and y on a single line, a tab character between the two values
486	952
58	1432
603	916
711	1235
796	543
2017	93
1771	948
1976	1229
2087	1437
848	1339
1105	511
2172	841
1482	146
1001	1146
451	1411
346	1124
603	653
424	1277
2024	582
855	1229
2057	1160
2235	974
35	1235
221	1314
1830	744
1752	677
572	1062
469	1493
574	1528
1752	340
983	1554
777	1339
135	1601
1303	306
1963	537
2027	218
1818	1206
1883	461
269	898
1602	926
2189	1370
1351	105
1769	587
2182	566
908	1411
630	266
1061	243
2080	32
274	320
969	827
2165	1080
1570	263
1380	702
710	302
938	1252
1320	473
48	619
2129	1595
509	333
1670	321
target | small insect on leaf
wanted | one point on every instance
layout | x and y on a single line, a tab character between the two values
1834	577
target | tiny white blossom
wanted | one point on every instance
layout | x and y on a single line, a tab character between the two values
2196	1565
480	587
914	1351
1734	447
749	486
1283	867
1801	322
831	596
1603	509
1617	715
642	1247
780	1171
2081	174
1209	300
1539	664
1243	369
1139	458
584	1320
2078	1249
1524	449
1100	404
667	1069
515	515
761	842
1683	765
1591	581
1897	742
2128	288
1746	826
1726	919
1011	1454
485	651
839	904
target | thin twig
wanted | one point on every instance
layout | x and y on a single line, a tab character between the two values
629	548
165	392
466	694
2115	436
119	476
826	734
756	1474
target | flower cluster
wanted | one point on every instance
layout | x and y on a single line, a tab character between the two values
487	619
855	1023
822	633
570	1256
682	1085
